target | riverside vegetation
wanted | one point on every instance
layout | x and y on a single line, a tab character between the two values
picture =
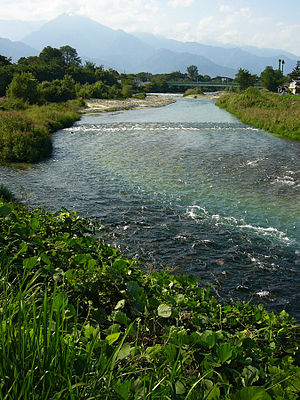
80	321
265	110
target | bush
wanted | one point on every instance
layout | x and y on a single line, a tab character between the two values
193	92
24	86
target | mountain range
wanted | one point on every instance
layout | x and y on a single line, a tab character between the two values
139	52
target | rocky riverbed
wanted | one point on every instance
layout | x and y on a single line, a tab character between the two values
108	105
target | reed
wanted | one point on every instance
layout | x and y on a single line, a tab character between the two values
269	111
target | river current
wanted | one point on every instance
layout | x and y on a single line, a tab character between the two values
186	186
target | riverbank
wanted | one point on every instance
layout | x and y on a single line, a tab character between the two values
265	110
109	105
25	132
78	319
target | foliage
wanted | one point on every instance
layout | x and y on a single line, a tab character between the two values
80	321
245	79
24	87
295	74
57	90
25	135
192	72
277	114
271	79
193	92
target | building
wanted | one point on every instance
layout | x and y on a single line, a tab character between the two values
294	86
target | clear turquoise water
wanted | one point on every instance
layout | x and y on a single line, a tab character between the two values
185	185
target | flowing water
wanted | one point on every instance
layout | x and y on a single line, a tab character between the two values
187	186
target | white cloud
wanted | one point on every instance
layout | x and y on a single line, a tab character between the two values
180	3
225	8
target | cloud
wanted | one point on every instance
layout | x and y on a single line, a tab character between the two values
180	3
225	8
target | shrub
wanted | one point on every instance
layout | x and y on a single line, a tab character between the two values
23	86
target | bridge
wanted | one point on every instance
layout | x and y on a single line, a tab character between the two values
208	84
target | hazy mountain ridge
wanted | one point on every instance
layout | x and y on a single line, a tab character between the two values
141	51
16	50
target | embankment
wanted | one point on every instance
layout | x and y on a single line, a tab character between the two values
265	110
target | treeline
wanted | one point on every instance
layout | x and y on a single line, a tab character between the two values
59	75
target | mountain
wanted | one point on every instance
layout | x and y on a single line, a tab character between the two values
16	50
15	30
141	51
255	60
115	48
170	61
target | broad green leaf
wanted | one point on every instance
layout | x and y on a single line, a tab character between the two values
250	374
251	393
30	263
120	264
125	351
121	318
171	352
179	388
213	393
123	390
5	211
164	311
224	352
60	301
34	223
111	339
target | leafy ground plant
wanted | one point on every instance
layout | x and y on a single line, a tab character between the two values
80	321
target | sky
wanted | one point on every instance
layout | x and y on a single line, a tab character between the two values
260	23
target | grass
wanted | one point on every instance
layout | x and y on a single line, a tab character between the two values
80	321
25	131
193	92
269	111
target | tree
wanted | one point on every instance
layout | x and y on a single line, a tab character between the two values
295	74
51	55
245	79
23	86
271	79
4	61
192	72
70	55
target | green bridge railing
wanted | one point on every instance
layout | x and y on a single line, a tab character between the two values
208	84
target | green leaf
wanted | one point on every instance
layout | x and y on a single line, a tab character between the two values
171	352
164	311
251	392
34	223
224	352
60	301
213	393
111	339
120	305
125	351
179	388
250	374
5	211
30	263
123	390
121	318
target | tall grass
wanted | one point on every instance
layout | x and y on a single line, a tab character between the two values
25	133
269	111
80	321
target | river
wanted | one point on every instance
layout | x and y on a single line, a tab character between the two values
188	186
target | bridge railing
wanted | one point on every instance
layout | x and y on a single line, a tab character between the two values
208	84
